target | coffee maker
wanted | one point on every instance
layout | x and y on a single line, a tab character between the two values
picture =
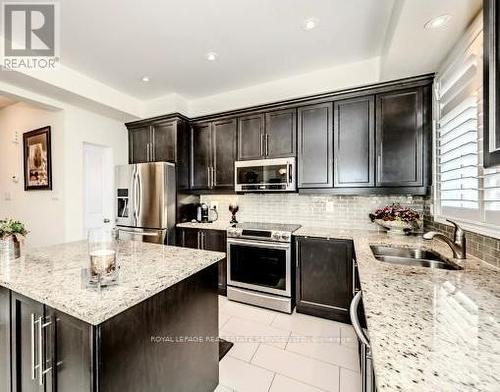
202	213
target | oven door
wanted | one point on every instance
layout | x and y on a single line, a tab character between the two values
259	265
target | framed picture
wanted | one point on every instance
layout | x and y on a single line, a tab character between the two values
37	160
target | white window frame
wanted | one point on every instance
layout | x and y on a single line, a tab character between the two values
480	226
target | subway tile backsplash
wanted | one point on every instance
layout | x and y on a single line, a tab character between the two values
324	211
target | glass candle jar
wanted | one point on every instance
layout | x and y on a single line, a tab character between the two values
103	248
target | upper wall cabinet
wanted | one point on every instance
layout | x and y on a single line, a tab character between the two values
400	138
269	135
315	146
213	152
354	140
161	140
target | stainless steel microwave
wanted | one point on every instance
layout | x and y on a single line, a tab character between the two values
265	175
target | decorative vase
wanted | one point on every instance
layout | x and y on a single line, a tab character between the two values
395	227
10	248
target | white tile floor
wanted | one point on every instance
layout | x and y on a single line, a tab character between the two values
276	352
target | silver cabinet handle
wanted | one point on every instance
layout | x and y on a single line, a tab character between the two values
262	144
141	233
353	312
203	240
209	177
199	239
34	366
267	144
214	182
42	372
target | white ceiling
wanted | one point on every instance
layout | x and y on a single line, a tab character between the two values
117	42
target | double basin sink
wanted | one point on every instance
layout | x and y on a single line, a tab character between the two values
411	257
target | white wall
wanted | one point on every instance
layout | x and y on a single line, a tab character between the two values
53	216
320	81
39	210
82	127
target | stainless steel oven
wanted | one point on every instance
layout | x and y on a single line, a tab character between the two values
265	175
259	265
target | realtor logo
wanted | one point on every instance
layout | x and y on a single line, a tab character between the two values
30	35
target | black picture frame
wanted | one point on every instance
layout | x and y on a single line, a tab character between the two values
37	159
491	84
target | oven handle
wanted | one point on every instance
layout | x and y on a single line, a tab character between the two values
260	244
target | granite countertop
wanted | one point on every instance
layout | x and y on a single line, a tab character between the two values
52	275
217	225
430	330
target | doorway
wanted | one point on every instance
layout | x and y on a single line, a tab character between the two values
98	177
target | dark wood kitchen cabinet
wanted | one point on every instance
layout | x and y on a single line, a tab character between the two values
213	152
70	351
354	141
251	135
269	135
161	140
400	138
26	343
4	339
208	239
281	133
324	277
63	342
315	146
139	139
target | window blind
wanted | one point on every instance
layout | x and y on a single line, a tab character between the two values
463	188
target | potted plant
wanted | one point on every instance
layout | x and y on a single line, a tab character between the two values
12	233
397	219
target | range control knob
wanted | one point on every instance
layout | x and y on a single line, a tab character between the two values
276	235
285	237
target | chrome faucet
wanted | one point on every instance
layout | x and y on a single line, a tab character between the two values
457	245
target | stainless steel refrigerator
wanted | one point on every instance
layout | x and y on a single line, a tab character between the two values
146	202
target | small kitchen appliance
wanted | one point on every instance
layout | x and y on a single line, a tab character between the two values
259	265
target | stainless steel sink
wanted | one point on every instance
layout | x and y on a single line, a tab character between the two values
411	257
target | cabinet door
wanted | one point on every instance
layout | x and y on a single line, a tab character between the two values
139	144
324	277
70	350
190	238
164	141
215	240
399	117
315	134
354	142
224	135
251	137
24	343
4	339
281	133
182	154
200	155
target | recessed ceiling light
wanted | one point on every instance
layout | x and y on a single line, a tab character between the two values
211	56
145	79
310	24
438	21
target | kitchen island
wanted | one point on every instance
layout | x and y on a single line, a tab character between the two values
154	331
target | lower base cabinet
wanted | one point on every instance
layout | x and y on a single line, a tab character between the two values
51	351
324	277
207	239
4	339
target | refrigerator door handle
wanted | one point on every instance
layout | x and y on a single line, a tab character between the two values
139	199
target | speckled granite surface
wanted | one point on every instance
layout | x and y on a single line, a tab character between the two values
217	225
52	275
430	330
